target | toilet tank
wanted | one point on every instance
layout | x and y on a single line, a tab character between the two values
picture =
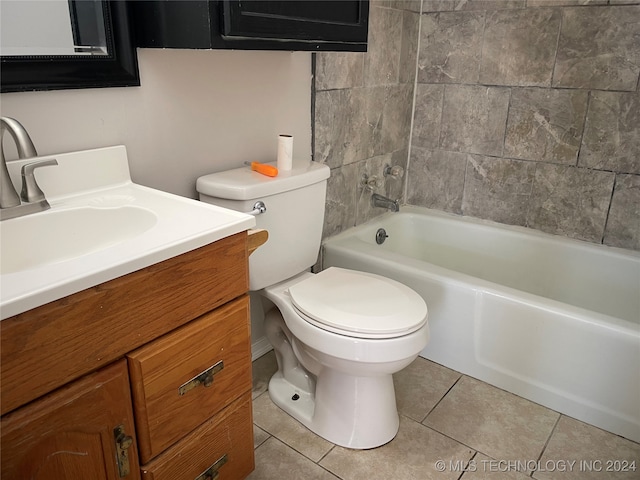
294	215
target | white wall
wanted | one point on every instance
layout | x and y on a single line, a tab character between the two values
197	112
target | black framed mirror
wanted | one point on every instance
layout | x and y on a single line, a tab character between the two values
113	64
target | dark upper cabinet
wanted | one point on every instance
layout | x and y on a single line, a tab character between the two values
322	25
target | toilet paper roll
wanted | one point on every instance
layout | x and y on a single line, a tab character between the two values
284	160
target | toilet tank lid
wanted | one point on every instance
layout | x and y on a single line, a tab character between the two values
245	184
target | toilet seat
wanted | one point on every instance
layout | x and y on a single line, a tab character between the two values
358	304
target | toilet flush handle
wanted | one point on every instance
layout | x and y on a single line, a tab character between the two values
258	208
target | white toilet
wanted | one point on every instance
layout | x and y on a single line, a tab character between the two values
339	335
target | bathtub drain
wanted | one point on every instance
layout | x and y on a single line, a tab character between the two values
381	236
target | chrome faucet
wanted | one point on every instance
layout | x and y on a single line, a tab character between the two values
378	200
11	205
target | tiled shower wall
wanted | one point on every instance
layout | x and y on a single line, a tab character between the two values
362	118
526	113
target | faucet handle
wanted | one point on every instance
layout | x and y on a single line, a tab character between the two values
370	182
395	171
30	190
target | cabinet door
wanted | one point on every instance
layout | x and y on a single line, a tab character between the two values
341	21
69	434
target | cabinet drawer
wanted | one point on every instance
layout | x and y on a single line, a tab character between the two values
171	392
226	439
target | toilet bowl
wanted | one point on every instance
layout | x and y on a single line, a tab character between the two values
336	362
338	335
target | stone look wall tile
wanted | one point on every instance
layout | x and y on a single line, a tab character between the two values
450	47
570	201
339	70
409	5
436	179
474	119
563	3
340	206
623	224
409	47
612	133
519	47
388	118
599	48
340	129
488	4
437	5
545	124
427	115
498	189
381	63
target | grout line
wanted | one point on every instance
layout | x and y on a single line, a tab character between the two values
584	127
555	57
442	398
544	448
606	218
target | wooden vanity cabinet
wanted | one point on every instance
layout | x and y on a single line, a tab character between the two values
74	371
70	434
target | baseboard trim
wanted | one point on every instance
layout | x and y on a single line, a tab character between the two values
259	348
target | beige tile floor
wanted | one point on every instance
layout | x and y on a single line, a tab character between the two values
451	427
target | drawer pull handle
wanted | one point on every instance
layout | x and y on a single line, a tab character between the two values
211	473
205	378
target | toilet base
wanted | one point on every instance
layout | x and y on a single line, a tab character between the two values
336	412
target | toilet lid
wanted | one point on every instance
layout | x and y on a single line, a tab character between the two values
359	304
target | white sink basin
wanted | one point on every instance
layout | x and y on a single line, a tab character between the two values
100	226
55	236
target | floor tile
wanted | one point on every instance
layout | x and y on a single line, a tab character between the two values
277	461
420	386
259	436
276	422
263	368
482	467
597	454
412	454
492	421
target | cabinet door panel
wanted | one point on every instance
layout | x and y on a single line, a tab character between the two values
218	342
69	434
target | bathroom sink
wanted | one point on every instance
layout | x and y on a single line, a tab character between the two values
54	236
100	226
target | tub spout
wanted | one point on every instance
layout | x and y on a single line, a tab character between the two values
384	202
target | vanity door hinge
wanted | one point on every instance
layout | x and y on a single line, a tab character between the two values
122	442
212	472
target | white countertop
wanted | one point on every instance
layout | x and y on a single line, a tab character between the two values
99	179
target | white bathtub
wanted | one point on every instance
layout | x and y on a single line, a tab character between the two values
550	319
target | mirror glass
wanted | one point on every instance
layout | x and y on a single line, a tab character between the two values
52	27
60	44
